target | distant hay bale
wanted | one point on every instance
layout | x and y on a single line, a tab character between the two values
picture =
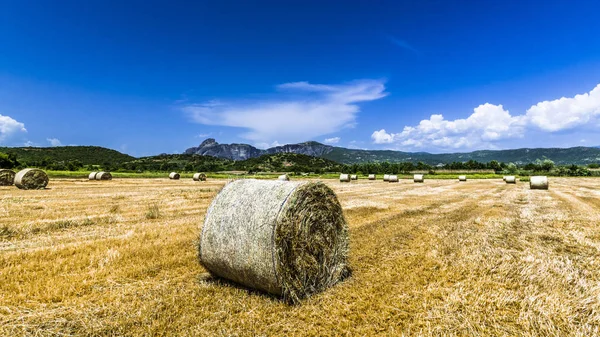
354	177
31	179
418	178
510	179
286	238
344	178
386	177
92	176
284	177
372	177
199	177
174	175
7	177
462	178
538	183
103	176
393	178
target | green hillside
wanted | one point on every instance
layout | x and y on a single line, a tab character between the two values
86	155
561	156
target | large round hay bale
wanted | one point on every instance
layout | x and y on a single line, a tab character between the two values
353	177
386	177
344	178
92	176
174	175
199	177
538	183
7	177
285	238
103	176
372	177
418	178
31	179
284	177
462	178
510	179
393	178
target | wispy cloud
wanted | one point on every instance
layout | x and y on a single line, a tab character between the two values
489	124
333	140
299	111
402	44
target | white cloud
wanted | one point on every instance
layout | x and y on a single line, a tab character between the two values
566	113
300	111
382	137
490	123
9	127
54	142
333	140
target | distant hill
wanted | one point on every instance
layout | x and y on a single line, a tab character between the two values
85	154
280	162
561	156
210	147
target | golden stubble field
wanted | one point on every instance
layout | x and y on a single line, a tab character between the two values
480	258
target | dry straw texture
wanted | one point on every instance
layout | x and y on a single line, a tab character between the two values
393	178
538	183
31	179
344	178
386	177
199	177
92	176
510	179
418	178
103	176
441	259
7	177
462	178
354	177
287	239
372	177
284	177
174	175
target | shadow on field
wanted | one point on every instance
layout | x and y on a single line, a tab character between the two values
210	279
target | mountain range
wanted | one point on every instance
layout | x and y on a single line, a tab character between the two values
561	156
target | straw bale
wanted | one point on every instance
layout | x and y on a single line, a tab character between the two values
286	238
31	179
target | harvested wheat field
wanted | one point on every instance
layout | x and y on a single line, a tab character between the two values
486	258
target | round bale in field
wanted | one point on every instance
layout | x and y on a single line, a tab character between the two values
286	238
462	178
354	177
538	183
174	175
510	179
344	178
103	176
284	177
92	176
7	177
386	177
372	177
393	178
199	177
31	179
418	178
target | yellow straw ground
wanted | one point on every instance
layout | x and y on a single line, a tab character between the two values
480	258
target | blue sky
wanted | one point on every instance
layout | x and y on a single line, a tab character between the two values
146	77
